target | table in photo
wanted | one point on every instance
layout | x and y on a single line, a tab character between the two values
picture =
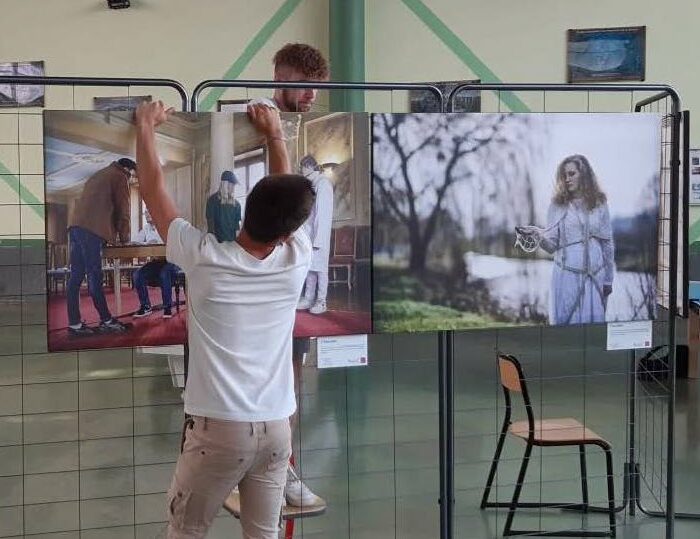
128	252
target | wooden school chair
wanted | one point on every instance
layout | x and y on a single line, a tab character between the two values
545	433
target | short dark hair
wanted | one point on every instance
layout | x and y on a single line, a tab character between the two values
304	58
127	163
277	206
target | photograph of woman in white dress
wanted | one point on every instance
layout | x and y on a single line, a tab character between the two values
579	236
492	220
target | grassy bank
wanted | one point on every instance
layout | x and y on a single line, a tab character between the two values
433	301
407	315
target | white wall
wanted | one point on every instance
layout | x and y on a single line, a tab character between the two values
181	39
525	41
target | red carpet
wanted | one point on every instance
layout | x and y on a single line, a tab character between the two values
155	331
332	323
152	330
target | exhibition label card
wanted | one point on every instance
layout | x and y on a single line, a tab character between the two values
342	351
629	335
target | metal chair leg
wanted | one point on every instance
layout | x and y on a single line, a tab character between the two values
494	465
611	489
584	476
516	493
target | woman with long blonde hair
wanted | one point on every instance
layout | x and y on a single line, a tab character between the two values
579	235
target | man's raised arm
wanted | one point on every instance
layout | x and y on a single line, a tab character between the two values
150	174
267	122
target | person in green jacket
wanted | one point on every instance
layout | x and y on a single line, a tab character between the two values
223	210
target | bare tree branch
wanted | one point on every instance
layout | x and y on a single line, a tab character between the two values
389	199
428	140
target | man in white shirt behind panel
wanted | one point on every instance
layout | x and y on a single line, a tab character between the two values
148	234
296	62
242	301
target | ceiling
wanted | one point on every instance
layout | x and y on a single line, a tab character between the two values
68	164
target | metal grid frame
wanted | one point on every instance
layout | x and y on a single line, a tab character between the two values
26	330
673	242
445	410
446	338
99	81
262	84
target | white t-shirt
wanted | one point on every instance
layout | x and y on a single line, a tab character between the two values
240	319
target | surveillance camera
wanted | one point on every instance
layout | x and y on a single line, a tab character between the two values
118	4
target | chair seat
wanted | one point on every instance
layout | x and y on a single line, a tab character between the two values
563	431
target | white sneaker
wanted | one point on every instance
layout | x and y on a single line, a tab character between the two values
297	493
319	307
304	304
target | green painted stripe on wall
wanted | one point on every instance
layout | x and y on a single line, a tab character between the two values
233	72
22	242
25	195
464	53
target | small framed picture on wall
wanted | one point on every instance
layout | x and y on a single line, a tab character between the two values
464	101
127	102
21	95
694	188
606	54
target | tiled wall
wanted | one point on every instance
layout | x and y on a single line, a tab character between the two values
369	442
88	440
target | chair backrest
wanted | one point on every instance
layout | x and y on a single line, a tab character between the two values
56	255
61	255
50	255
513	379
344	241
511	373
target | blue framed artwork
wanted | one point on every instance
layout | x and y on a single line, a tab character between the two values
606	54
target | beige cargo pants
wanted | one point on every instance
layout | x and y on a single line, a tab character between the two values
217	455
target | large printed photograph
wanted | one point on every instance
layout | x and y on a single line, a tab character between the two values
488	220
109	283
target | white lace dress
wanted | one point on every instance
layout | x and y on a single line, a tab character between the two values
581	241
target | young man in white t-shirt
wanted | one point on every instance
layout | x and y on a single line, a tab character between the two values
242	301
296	62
